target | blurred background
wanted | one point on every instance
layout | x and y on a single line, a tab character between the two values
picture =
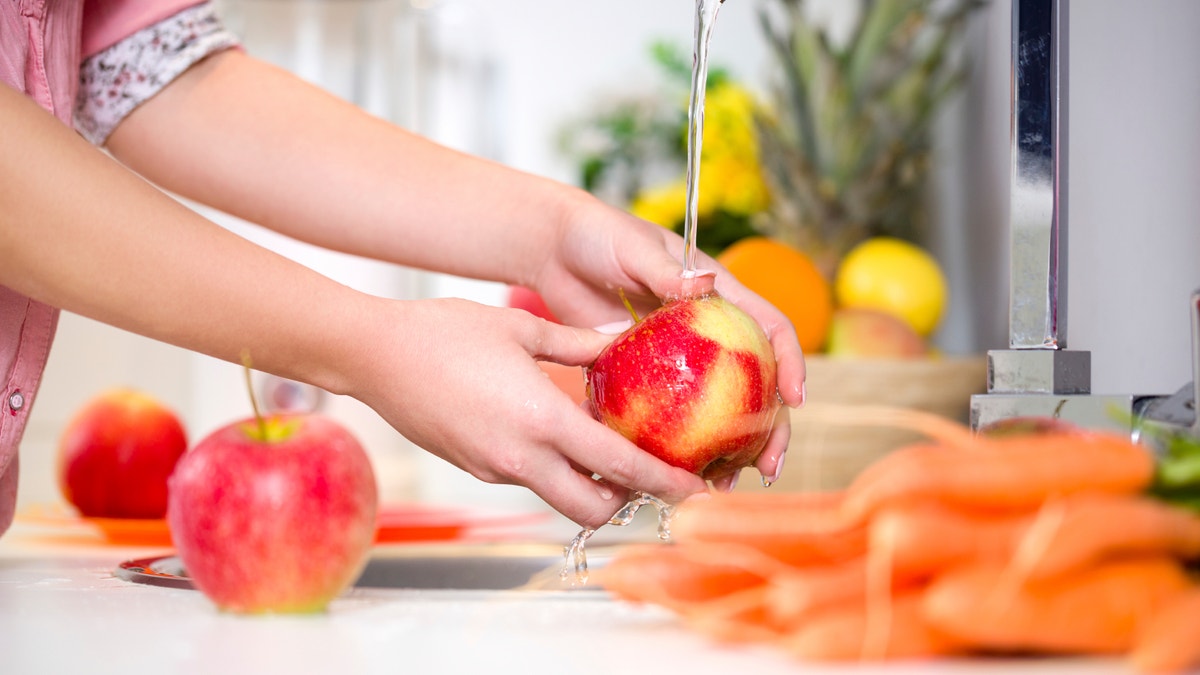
514	80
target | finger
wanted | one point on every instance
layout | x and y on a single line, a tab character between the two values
575	494
565	345
727	482
606	453
770	461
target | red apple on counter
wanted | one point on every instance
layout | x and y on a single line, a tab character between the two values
274	515
116	453
692	383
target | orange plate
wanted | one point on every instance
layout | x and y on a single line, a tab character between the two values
119	531
396	523
399	523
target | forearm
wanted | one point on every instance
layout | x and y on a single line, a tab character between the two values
80	232
267	147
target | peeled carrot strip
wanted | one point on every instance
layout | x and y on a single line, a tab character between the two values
796	528
669	576
738	617
1169	642
844	632
933	426
797	595
1079	530
1093	611
1002	473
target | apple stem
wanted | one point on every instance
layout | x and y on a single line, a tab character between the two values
628	305
246	367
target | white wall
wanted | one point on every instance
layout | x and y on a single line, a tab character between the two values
1135	163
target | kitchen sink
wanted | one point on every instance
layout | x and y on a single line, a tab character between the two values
460	567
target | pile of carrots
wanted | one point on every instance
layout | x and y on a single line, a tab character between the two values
1016	544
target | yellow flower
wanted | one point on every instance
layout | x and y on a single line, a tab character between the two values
731	178
667	203
663	204
735	185
729	124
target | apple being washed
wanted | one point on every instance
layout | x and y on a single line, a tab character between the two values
274	515
692	383
116	453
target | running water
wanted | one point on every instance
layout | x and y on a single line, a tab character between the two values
706	18
574	570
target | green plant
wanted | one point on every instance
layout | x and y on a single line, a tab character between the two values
846	139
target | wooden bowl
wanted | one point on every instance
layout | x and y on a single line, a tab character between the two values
826	456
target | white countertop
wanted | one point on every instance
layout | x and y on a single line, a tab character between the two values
63	611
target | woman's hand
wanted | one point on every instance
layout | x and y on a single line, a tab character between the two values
601	249
462	381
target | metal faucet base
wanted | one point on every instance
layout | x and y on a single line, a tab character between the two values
1113	412
1039	371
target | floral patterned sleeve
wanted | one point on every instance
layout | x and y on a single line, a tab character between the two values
117	80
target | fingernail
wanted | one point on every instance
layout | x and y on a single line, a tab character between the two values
614	328
733	483
778	467
606	492
803	393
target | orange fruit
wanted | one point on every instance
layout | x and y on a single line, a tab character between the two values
788	279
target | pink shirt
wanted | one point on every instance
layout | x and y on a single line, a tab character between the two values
42	43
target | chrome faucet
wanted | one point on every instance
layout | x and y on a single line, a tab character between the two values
1037	375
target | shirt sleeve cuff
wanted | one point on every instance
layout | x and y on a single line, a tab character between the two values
115	81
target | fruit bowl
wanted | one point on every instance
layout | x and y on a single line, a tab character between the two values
826	456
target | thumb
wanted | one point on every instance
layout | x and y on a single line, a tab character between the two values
665	278
568	345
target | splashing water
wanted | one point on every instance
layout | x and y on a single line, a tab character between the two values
575	568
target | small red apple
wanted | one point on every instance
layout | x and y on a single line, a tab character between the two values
116	453
869	333
692	383
275	514
520	297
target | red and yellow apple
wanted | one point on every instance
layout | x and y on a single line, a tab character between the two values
274	515
116	453
868	333
692	383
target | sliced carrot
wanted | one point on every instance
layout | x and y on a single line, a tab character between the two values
848	632
1002	473
796	528
1081	529
1169	641
1093	611
928	537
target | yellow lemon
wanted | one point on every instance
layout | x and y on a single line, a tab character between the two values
893	276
